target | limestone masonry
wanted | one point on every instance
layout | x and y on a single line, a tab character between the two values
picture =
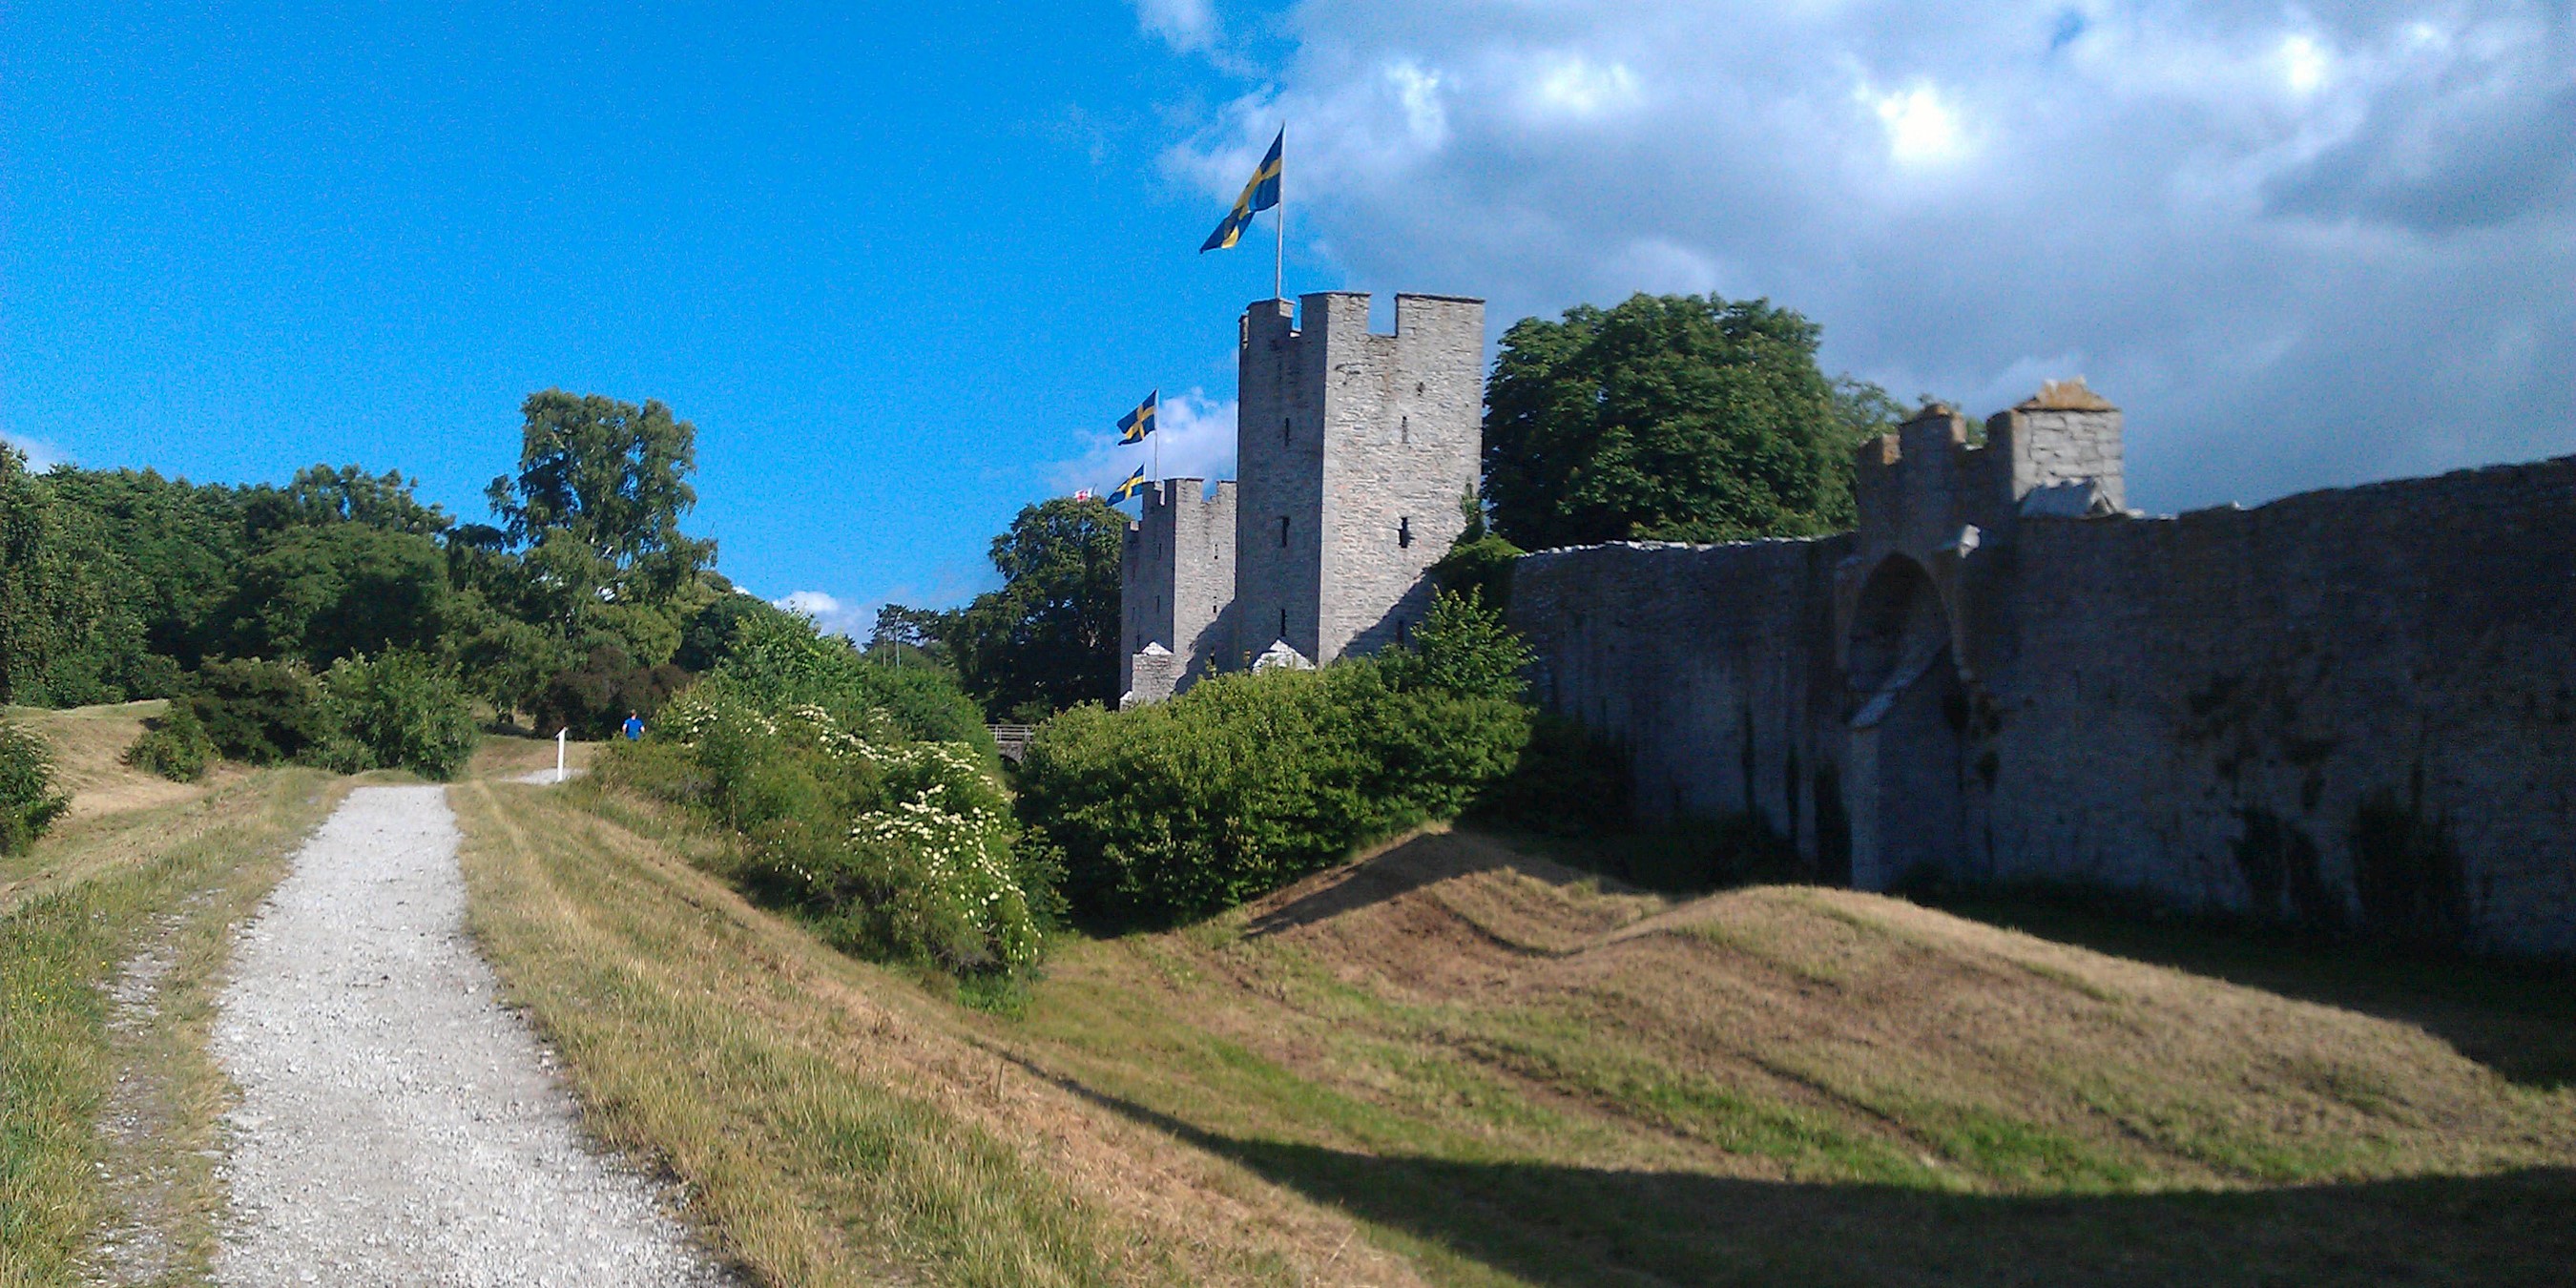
1353	451
2347	708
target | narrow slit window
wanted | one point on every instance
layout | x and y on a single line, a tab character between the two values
1404	532
1404	428
1283	532
1283	623
1284	423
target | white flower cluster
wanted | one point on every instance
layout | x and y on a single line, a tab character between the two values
953	825
945	836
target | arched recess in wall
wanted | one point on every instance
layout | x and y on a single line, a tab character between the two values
1909	713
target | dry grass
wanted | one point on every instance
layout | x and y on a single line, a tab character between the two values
112	937
834	1122
1455	1063
512	754
89	746
1519	1076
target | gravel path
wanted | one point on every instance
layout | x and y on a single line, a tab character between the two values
397	1125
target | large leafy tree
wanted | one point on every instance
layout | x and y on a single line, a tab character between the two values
37	587
176	547
321	495
1048	638
72	627
597	503
321	592
1676	417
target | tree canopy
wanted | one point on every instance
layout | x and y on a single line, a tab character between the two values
1048	639
117	584
599	494
1676	417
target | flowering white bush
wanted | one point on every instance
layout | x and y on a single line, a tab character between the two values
903	849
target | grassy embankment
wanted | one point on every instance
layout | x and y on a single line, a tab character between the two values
112	932
1457	1063
832	1121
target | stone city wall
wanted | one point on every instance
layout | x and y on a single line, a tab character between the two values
1710	665
2353	707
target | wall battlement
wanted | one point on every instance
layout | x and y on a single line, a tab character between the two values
2349	708
1177	575
1352	451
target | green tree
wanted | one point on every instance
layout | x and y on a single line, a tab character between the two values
907	636
28	802
707	638
175	550
322	495
35	591
1048	639
597	502
318	594
1462	648
1684	418
72	623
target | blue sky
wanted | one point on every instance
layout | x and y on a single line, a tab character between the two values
902	266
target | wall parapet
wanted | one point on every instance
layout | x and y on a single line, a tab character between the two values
2352	707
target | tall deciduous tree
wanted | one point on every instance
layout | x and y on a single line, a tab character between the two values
1048	638
1677	417
321	592
599	494
35	591
322	495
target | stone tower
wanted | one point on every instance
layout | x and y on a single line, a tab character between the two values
1353	451
1177	578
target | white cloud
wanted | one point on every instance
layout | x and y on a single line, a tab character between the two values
1571	85
1922	130
1183	24
40	456
1195	435
2300	247
830	614
2305	64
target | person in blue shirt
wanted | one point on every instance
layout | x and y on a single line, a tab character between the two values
634	726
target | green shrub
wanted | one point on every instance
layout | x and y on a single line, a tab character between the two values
1479	562
897	850
397	710
259	712
779	661
176	746
28	802
1461	647
1248	782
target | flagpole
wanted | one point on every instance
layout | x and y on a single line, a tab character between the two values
1279	257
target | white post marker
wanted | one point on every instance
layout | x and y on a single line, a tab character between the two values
559	753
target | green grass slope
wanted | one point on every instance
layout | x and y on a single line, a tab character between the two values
1517	1076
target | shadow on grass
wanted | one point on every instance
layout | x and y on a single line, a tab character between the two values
1398	871
2516	1017
1565	1226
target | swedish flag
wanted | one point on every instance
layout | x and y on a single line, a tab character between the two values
1135	484
1260	193
1135	425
